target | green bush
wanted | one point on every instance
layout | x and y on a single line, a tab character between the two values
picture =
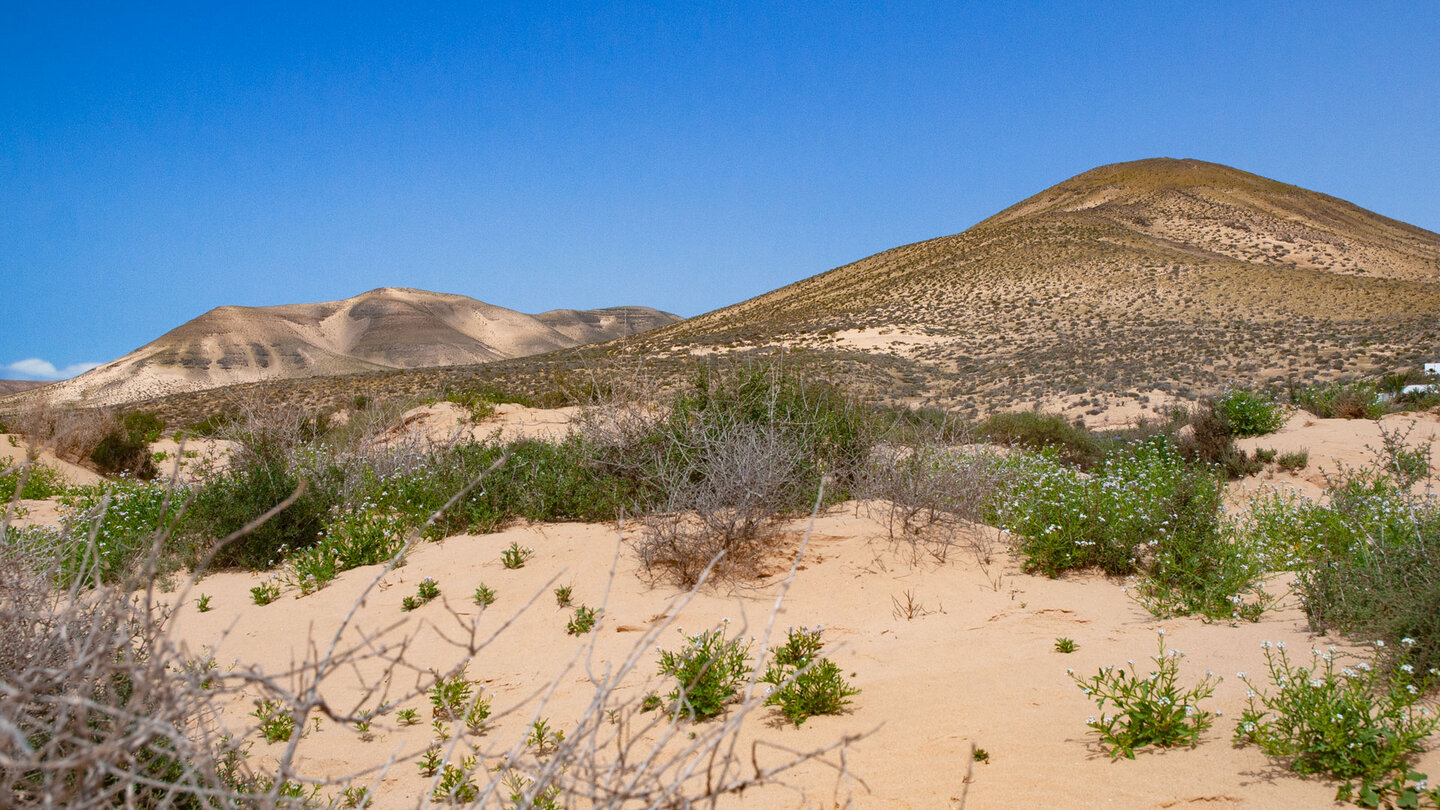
802	682
1041	431
1250	413
125	449
362	535
252	486
1211	440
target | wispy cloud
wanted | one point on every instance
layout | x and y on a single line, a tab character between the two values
33	368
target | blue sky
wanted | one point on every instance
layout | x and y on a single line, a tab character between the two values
158	160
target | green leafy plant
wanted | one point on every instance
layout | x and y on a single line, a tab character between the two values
802	683
515	556
366	535
276	722
265	593
707	673
1249	412
456	785
202	604
425	592
1065	645
407	717
543	739
355	796
1148	710
477	716
484	595
980	755
450	696
429	762
562	596
1360	724
582	622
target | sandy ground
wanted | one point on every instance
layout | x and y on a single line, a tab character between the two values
446	422
975	666
1336	444
12	453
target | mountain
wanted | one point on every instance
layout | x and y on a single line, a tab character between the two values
16	386
1162	273
384	329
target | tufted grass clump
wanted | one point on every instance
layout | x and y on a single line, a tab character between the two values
1151	709
1361	724
802	683
708	672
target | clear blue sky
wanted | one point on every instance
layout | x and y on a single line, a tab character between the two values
157	160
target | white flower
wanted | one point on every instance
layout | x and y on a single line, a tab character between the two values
1407	641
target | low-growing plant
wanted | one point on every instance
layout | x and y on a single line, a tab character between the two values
355	796
425	592
450	695
407	717
582	622
802	683
477	716
1151	709
265	593
514	556
708	671
1065	645
365	535
562	596
1340	400
34	481
123	517
543	739
1293	461
484	595
1361	724
456	784
1043	431
980	755
429	762
277	724
202	603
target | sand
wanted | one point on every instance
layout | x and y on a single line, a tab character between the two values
974	666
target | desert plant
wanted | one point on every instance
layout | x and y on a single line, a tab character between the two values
802	682
265	593
1293	461
456	784
708	671
276	723
450	695
1357	725
126	448
514	556
562	596
1249	412
32	481
1043	431
1065	645
582	622
543	739
1149	710
484	595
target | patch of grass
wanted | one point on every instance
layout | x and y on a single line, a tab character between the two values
1293	461
1337	400
34	481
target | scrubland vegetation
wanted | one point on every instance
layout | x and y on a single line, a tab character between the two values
99	710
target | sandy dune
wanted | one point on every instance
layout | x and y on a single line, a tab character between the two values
978	667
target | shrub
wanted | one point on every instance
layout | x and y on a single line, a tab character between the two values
360	536
1354	400
1040	431
1357	725
1151	709
1211	440
1293	461
707	673
126	447
253	485
582	622
1249	413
